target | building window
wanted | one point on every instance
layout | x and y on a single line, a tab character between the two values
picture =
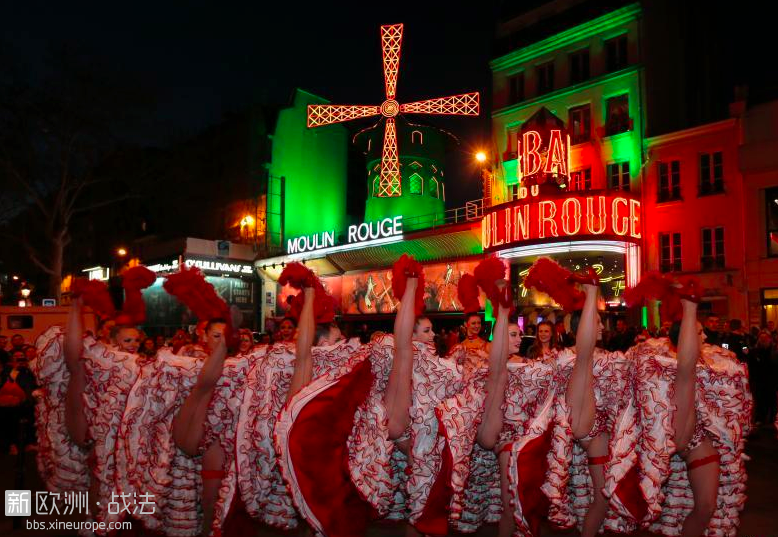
669	181
434	188
415	182
669	252
711	173
579	66
617	115
545	75
516	88
771	214
581	179
513	192
580	122
618	176
616	53
512	149
712	248
417	134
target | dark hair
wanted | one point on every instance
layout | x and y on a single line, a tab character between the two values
290	319
419	319
735	324
216	320
115	329
674	332
575	320
536	349
472	314
323	331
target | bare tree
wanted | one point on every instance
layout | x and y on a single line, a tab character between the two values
54	135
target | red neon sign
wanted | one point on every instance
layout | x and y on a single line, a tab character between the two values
552	158
600	215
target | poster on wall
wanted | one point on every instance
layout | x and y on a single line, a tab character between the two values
371	292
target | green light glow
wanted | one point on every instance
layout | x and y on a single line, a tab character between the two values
644	315
314	162
597	26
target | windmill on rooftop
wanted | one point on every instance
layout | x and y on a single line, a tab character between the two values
389	184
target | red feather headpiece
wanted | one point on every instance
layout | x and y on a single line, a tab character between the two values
134	281
299	276
96	296
548	276
403	268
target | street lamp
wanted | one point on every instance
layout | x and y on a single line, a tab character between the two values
15	278
486	177
25	292
121	251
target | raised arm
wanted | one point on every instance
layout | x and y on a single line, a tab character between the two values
580	390
189	423
397	398
306	331
75	418
491	424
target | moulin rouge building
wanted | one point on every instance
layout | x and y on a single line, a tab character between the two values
571	175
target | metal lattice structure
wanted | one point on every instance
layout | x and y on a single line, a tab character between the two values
466	104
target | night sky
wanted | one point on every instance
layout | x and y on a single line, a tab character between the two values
202	59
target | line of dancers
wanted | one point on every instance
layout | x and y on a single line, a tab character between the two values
336	434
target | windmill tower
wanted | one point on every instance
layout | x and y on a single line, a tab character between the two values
394	189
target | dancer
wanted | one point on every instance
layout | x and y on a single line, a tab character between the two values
166	420
348	417
100	379
692	414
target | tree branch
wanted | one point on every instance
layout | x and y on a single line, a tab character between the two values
34	258
103	203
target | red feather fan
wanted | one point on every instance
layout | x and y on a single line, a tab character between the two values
299	276
467	290
96	296
486	274
191	289
403	268
323	306
661	287
547	276
134	280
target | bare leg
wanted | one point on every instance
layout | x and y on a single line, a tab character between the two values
188	424
684	418
491	423
597	447
306	331
397	398
507	524
580	389
705	486
75	419
213	460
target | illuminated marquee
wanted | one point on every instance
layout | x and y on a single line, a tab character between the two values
357	233
595	215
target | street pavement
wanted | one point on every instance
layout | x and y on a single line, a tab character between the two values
759	519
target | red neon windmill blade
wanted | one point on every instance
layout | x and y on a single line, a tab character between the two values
390	184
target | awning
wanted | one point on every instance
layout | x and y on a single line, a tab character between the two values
453	241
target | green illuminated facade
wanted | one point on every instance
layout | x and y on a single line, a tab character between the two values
313	163
589	77
422	153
